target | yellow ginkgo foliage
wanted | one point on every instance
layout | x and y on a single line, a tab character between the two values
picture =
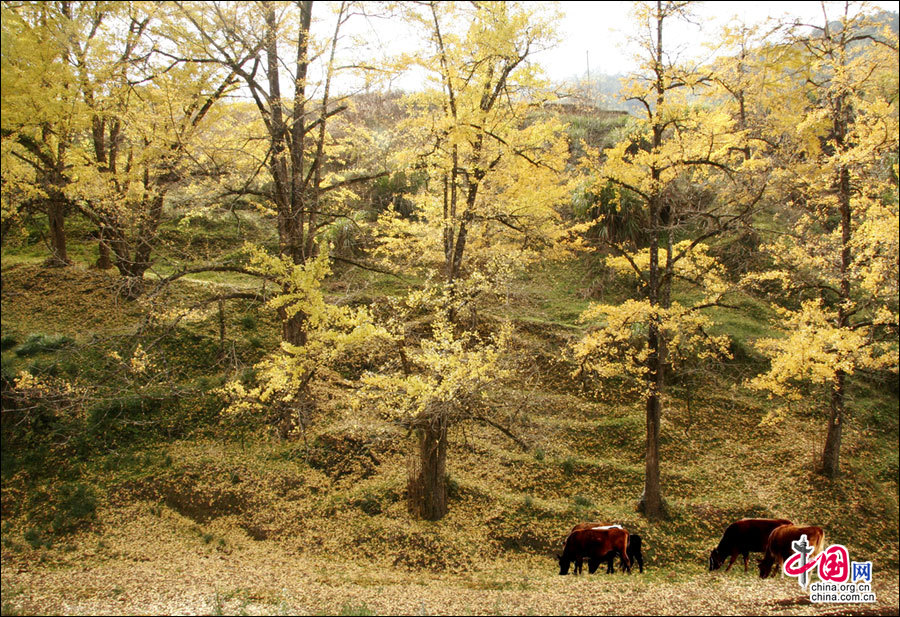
439	382
680	145
281	390
493	158
837	264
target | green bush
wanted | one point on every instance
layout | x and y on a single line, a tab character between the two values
37	538
77	505
583	502
41	343
8	342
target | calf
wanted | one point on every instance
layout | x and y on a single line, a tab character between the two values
741	538
779	547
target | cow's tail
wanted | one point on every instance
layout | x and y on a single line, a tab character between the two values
626	562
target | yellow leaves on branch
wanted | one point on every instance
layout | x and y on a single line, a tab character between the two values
331	331
493	158
700	134
814	349
47	392
140	361
618	348
691	262
447	374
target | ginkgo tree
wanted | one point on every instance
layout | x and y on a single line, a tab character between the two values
837	266
289	152
106	121
281	391
147	113
433	386
41	110
673	147
490	205
492	158
267	45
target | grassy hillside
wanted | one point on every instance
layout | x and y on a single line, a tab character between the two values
147	501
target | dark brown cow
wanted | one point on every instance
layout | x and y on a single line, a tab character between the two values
741	538
779	547
579	563
596	544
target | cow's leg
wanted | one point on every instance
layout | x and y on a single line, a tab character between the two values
640	560
579	565
731	563
746	560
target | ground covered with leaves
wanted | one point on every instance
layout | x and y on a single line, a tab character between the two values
150	503
164	564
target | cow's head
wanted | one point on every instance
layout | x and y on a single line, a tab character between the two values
563	565
715	560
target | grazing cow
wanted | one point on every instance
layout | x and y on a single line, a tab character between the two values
597	544
741	538
579	562
779	547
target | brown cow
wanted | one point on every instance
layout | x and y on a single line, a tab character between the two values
595	543
741	538
579	562
780	546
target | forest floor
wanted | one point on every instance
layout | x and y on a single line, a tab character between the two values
194	518
144	566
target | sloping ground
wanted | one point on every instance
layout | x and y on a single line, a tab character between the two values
212	524
152	565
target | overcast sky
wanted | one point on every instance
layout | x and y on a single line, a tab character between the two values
598	31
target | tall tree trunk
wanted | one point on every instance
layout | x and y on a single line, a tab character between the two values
651	503
56	213
831	456
104	259
832	453
427	479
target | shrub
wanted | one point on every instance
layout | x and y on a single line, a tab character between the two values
40	343
37	538
583	502
77	504
8	342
